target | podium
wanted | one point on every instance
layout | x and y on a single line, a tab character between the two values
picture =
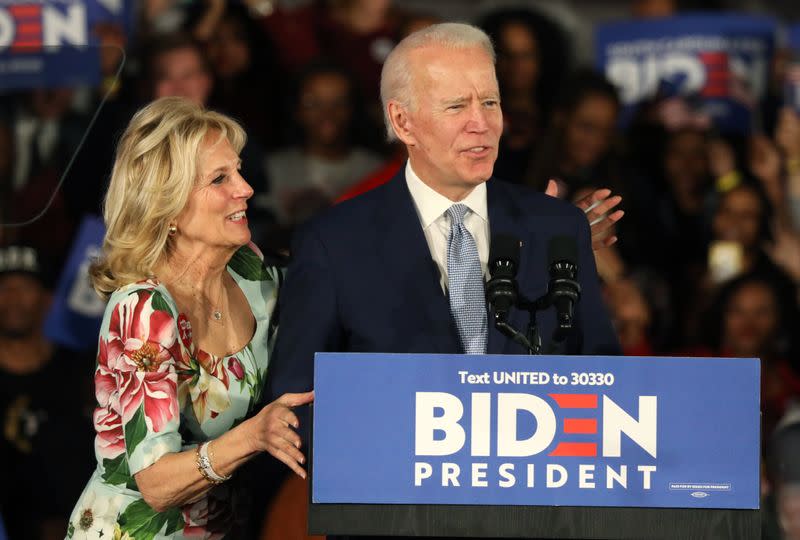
488	446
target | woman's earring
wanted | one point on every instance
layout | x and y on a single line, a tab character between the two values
173	229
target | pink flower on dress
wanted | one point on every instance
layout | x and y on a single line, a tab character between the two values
140	353
105	382
236	368
110	441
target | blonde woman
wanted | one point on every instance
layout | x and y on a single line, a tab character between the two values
185	339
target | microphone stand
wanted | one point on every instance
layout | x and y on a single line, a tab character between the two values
515	335
540	304
532	340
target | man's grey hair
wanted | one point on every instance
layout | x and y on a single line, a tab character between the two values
396	83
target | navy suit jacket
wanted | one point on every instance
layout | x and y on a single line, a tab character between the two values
362	279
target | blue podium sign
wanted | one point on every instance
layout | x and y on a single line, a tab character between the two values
544	430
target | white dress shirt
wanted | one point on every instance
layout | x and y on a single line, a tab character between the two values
431	209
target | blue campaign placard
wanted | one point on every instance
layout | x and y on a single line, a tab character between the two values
719	63
52	43
791	90
543	430
793	38
76	312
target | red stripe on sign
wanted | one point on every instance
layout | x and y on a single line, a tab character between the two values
25	10
29	28
715	58
715	92
578	449
580	425
575	401
26	46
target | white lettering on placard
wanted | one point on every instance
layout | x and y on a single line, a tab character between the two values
65	28
442	413
7	29
508	406
556	476
427	424
642	431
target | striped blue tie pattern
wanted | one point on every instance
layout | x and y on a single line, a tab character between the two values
467	297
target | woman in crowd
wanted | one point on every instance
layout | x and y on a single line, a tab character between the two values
243	62
578	149
744	217
530	75
751	318
185	340
305	178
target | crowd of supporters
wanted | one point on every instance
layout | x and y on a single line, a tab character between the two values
707	261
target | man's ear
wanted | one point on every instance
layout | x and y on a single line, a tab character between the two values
401	122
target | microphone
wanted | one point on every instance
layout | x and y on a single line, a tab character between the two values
564	290
501	290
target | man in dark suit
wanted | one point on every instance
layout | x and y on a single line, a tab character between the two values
402	268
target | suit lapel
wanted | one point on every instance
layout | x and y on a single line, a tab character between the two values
408	263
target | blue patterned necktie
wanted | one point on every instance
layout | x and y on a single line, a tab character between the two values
467	297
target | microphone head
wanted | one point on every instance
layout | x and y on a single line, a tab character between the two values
503	249
501	290
562	257
562	248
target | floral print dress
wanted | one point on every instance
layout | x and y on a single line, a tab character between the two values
158	393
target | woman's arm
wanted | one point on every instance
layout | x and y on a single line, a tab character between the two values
174	479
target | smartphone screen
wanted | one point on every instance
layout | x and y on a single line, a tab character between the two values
725	260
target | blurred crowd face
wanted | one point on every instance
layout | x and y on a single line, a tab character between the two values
738	217
325	109
789	511
653	8
22	305
686	165
750	320
518	59
371	9
112	44
455	121
228	51
589	130
214	215
6	153
51	103
181	72
522	122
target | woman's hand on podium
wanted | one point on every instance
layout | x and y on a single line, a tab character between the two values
273	430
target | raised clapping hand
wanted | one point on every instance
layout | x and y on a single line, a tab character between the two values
787	133
273	430
597	206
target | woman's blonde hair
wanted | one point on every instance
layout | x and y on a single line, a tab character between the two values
155	170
